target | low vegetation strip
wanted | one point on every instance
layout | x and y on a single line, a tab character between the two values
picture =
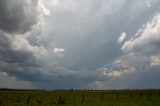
80	98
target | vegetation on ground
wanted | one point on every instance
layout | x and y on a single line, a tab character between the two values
80	98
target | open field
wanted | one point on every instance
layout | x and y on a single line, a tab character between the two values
80	98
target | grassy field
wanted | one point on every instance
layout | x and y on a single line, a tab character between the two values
80	98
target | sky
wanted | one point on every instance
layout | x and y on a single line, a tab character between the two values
79	44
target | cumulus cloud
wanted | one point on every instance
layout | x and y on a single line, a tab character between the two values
18	57
141	52
155	60
18	16
44	9
122	37
148	39
140	61
87	33
117	70
59	51
113	74
19	43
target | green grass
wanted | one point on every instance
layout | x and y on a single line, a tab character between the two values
81	98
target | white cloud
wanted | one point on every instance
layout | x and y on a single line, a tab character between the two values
113	74
149	3
148	38
19	43
3	73
155	60
43	8
122	37
142	51
118	70
59	51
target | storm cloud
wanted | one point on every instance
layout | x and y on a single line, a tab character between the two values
80	44
18	57
18	16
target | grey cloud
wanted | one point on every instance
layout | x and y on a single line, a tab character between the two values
12	61
74	80
86	29
12	82
141	57
18	16
145	43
